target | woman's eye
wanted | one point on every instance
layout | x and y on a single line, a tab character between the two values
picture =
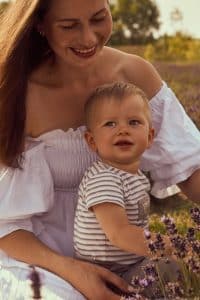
96	20
134	122
110	124
68	27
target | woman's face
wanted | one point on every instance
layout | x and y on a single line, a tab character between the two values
77	30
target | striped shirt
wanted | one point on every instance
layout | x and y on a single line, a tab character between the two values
104	183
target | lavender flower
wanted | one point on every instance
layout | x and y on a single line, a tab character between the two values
187	250
174	290
35	283
195	215
147	234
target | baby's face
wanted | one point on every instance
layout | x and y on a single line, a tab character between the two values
120	130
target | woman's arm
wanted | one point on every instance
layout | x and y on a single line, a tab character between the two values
87	278
191	187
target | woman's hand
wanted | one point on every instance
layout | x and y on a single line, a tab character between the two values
89	279
98	283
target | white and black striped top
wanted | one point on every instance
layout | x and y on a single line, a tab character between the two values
104	183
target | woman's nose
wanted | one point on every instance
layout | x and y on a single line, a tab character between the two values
88	37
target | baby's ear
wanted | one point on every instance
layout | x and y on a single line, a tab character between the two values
151	136
90	140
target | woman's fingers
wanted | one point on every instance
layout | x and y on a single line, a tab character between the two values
98	283
116	283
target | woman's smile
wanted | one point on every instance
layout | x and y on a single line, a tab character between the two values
84	52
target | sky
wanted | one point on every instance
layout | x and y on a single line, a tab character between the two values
191	16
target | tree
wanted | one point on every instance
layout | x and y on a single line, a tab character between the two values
134	21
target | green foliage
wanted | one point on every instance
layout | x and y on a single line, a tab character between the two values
177	206
134	21
179	47
182	219
193	51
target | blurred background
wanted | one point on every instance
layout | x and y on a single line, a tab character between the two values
167	33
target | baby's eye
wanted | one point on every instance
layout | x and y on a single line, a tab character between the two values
134	122
110	124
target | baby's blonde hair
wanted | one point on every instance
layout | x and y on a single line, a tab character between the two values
116	91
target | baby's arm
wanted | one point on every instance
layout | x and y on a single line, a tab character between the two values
115	224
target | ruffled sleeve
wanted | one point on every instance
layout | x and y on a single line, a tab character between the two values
26	192
175	153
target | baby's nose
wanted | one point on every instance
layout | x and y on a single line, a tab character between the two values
123	130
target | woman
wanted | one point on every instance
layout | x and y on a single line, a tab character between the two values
52	56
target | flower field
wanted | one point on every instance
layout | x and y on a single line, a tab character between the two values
181	282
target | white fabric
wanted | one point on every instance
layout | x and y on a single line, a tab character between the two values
45	191
164	193
16	285
62	157
24	193
175	153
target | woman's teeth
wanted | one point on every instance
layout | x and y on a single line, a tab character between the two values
84	52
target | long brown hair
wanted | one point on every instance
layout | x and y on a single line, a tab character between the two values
22	49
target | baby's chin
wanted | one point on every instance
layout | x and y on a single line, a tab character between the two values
125	165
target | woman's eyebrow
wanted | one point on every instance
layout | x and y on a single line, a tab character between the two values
67	20
100	11
76	19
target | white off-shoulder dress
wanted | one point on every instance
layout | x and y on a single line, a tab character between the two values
42	197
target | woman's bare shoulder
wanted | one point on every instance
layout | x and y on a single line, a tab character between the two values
123	58
113	55
136	70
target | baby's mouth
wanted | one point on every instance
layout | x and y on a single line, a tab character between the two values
123	143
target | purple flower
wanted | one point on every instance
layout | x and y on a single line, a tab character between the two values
35	283
147	234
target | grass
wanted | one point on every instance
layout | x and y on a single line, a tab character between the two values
177	206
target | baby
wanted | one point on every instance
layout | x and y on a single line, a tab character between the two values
113	203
